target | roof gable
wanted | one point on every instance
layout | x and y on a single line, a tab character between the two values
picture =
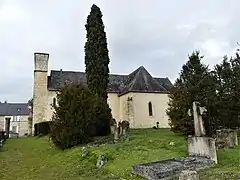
141	81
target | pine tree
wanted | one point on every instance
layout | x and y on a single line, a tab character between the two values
227	103
96	54
180	122
194	84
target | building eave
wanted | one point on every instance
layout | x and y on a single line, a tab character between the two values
155	92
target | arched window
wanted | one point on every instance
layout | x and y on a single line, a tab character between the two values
150	111
54	102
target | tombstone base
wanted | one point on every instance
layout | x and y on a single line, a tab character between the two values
186	175
202	146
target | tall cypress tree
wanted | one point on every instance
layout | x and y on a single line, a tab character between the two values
96	54
97	71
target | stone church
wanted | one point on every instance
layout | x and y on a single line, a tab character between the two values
138	97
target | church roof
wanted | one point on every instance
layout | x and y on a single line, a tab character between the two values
138	81
141	81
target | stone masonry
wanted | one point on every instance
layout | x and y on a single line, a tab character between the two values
40	87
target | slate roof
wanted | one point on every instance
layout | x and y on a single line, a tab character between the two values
13	109
138	81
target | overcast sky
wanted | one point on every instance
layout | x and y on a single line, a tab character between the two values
158	34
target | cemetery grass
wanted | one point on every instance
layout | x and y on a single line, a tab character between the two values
37	159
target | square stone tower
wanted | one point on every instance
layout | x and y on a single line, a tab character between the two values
40	94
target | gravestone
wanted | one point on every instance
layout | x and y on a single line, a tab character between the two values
199	145
226	138
198	111
120	130
101	161
125	128
168	169
116	134
113	124
84	151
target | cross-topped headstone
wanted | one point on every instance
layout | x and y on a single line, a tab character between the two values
197	116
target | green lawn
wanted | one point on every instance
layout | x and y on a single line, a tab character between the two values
38	159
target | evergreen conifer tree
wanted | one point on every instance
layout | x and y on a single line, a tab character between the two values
97	71
194	84
96	54
227	75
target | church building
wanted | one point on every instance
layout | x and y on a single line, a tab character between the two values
138	97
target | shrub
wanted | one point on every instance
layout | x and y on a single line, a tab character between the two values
73	116
42	128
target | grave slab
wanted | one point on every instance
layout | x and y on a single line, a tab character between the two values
167	169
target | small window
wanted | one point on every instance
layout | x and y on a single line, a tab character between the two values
150	112
54	102
17	118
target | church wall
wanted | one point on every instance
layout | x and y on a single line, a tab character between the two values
126	110
159	105
2	121
132	107
114	104
113	101
49	111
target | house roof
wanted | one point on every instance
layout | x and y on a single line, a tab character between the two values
138	81
14	109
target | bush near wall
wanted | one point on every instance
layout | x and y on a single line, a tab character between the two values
72	116
42	128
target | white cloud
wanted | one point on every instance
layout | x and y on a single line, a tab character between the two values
11	12
213	48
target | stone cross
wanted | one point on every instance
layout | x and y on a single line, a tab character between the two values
197	116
